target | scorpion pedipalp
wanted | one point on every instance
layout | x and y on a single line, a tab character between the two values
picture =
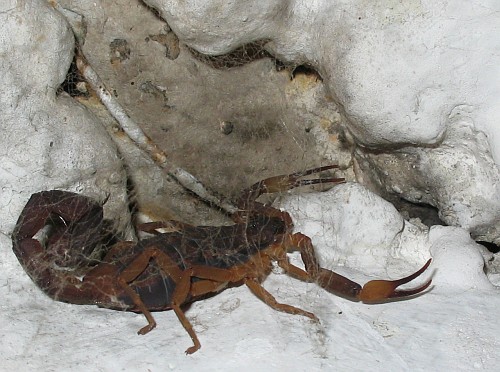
287	182
381	290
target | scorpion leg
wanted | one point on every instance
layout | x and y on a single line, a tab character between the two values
181	292
180	277
224	276
212	280
372	292
269	299
136	268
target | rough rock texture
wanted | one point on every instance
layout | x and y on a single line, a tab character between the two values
401	73
358	225
48	141
396	77
340	37
458	177
363	230
229	121
452	244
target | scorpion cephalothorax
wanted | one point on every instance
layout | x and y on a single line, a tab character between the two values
171	269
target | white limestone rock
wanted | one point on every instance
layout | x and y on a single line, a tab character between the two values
457	259
459	178
48	141
400	70
352	226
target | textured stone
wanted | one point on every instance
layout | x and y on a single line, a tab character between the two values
48	141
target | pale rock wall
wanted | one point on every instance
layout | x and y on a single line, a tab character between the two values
47	142
401	72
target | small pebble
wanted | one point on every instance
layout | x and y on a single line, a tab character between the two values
226	127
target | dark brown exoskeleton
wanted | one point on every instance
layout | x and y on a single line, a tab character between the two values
59	234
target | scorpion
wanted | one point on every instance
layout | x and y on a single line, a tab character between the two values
63	243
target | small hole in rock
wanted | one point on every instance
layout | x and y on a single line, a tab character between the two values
307	71
426	213
493	248
74	84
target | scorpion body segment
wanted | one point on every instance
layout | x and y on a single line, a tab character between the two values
63	243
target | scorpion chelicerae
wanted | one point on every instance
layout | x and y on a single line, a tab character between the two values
178	267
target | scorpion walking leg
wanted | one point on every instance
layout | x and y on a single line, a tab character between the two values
181	292
237	274
180	277
269	299
217	279
212	280
137	267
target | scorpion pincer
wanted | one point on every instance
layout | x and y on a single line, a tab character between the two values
74	260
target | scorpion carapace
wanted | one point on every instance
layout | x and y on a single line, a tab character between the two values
58	234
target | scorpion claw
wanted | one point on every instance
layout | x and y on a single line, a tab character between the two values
379	290
287	182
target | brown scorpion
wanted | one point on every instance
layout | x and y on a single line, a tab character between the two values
63	243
